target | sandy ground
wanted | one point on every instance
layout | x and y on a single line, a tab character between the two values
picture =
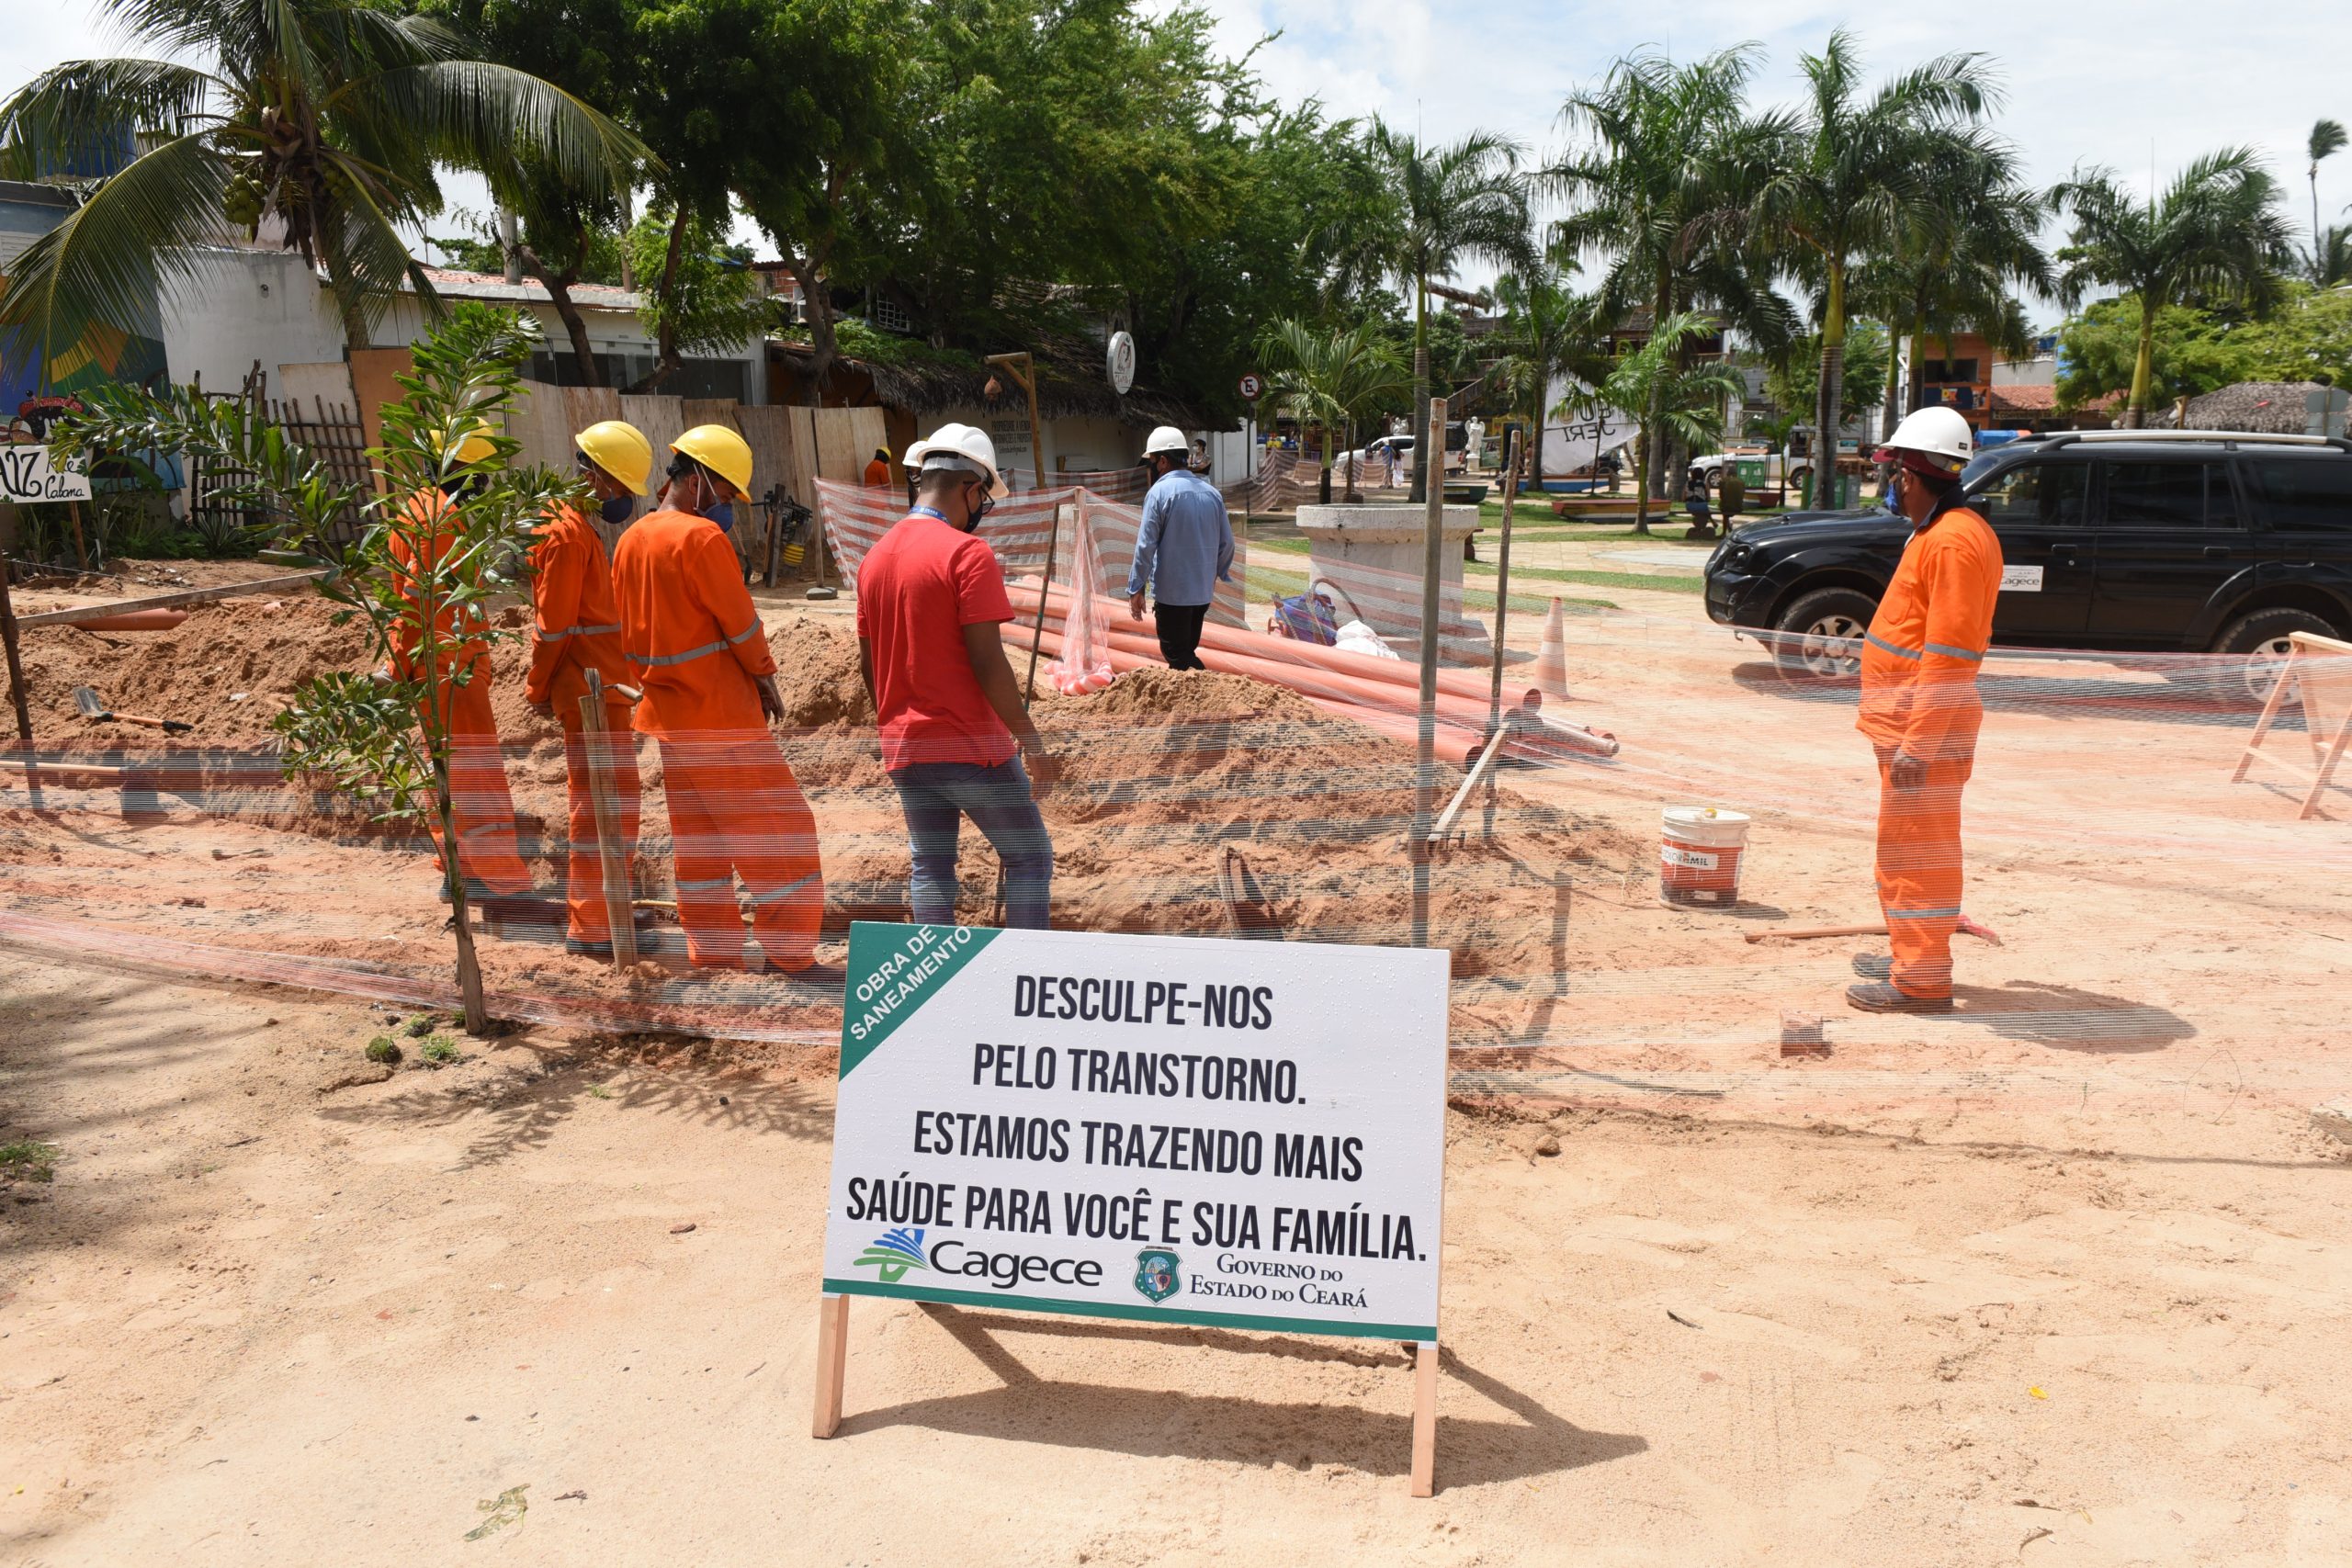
2061	1279
258	1319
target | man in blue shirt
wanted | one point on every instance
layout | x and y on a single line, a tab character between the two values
1184	550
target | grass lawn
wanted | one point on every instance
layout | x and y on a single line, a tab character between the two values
1265	583
1597	578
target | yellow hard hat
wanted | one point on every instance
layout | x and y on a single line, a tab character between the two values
476	445
620	449
720	450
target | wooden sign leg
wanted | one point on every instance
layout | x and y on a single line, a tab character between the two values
2270	712
1424	1420
833	1357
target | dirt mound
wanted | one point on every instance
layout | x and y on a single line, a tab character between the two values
1177	697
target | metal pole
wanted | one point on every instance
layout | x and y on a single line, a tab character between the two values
17	683
1425	765
1503	572
1044	587
1502	605
1036	434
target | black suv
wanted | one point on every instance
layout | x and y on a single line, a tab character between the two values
2175	541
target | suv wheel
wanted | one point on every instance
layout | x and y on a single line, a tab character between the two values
1821	635
2261	638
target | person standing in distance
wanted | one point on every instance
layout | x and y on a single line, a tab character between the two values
1921	710
1184	551
929	603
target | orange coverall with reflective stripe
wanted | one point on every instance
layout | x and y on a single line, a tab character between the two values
1919	665
695	641
478	800
576	627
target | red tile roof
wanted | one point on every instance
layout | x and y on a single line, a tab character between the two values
2040	400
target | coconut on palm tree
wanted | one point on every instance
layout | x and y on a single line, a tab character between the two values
318	124
1689	400
1846	176
1455	204
2216	235
1332	377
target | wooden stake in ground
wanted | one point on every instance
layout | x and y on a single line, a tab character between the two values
16	685
1425	1359
612	855
832	1361
1425	762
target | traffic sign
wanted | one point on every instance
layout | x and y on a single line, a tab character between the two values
1252	386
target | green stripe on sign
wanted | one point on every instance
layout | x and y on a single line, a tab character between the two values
893	970
1133	1314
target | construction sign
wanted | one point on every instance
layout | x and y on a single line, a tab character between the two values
1179	1130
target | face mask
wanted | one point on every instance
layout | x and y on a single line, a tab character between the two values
616	509
724	515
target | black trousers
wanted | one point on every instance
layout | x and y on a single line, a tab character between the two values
1180	634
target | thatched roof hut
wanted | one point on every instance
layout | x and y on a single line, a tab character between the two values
1070	384
2265	408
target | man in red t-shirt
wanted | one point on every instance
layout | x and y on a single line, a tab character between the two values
929	599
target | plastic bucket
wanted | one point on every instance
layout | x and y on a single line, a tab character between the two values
1699	856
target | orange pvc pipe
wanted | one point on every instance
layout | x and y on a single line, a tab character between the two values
133	621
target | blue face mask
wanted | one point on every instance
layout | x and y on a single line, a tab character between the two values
724	515
616	509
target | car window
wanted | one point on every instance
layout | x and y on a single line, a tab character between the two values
2049	494
2159	494
2304	492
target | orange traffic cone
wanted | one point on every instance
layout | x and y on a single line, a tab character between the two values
1552	655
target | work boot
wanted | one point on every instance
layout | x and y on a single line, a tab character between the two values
1874	965
1880	996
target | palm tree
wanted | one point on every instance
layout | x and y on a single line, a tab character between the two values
1847	176
1456	204
320	121
2327	139
2215	235
2330	263
1689	400
1333	378
1960	274
1549	332
1661	149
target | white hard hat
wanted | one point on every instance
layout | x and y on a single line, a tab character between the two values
1935	432
958	447
1167	438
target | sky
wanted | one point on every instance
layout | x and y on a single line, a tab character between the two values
2149	84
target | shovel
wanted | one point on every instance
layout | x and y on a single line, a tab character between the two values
86	699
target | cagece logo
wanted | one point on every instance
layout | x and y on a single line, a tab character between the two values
891	1256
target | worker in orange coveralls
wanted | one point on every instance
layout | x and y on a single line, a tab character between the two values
690	631
877	471
576	628
1921	710
482	809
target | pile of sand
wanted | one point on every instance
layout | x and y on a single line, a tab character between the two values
1165	773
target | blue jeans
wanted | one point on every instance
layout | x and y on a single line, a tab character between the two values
937	797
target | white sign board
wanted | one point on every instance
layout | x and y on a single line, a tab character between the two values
27	475
2022	579
1170	1129
1119	362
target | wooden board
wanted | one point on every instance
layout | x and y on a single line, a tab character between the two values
372	386
767	429
328	382
709	410
536	418
662	421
